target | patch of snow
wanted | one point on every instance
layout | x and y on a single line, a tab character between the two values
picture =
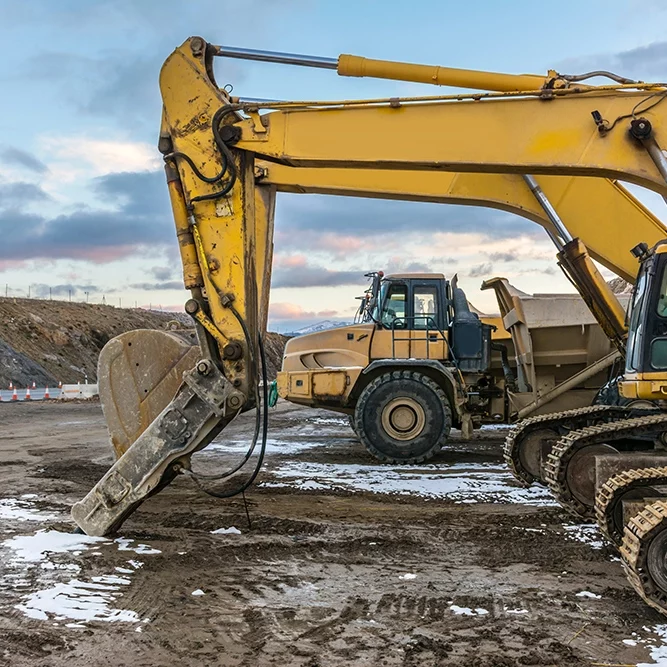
407	576
198	593
336	421
19	509
79	600
33	548
226	531
515	611
459	482
466	611
125	544
588	594
630	642
659	651
273	446
585	532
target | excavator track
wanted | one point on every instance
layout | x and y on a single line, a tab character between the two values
612	492
556	466
555	421
642	554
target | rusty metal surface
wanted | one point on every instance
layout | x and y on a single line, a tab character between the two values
139	372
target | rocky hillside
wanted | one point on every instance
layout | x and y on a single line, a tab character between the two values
51	341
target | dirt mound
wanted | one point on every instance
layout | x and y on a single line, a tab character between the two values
51	341
620	286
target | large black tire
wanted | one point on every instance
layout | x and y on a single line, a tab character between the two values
353	426
403	417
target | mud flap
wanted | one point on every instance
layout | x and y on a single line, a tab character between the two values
203	406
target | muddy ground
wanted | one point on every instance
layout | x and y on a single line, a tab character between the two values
345	562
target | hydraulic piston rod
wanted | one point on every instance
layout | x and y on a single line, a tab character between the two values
349	65
575	261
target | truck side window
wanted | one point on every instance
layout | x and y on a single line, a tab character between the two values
394	306
425	308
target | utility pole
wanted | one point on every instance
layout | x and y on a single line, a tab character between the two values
86	293
69	293
6	290
28	291
50	299
120	304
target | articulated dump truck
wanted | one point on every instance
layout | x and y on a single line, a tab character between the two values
420	360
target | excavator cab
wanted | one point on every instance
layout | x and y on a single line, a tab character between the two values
645	377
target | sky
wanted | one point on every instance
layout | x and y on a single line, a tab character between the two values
84	211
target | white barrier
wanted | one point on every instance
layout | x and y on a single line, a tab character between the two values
69	391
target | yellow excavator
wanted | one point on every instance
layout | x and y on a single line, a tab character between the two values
547	147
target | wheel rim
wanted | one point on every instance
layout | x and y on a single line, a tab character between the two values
656	560
403	418
580	473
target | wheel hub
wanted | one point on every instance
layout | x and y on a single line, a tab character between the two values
656	560
403	418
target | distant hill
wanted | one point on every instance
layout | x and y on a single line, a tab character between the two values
50	341
319	326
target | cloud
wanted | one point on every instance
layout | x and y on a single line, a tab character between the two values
292	311
313	276
20	193
103	156
643	63
480	271
340	226
142	219
43	290
17	157
163	272
503	256
172	284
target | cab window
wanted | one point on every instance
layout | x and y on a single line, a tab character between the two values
394	306
635	329
662	297
659	353
425	308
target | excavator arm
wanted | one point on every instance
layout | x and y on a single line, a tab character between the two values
223	196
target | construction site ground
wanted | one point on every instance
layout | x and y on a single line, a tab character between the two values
345	562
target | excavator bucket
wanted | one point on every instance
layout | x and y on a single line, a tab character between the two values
139	372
